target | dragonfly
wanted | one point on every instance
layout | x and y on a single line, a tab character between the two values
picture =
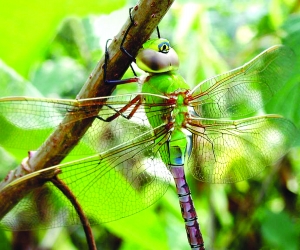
139	143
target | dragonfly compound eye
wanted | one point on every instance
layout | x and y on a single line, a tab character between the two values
164	47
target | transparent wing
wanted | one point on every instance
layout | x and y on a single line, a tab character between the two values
115	184
231	151
246	89
27	122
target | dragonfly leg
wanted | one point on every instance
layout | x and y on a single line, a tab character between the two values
124	38
122	48
136	102
158	33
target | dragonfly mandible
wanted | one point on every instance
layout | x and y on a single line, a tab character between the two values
141	141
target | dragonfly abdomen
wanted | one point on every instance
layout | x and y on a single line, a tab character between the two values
187	207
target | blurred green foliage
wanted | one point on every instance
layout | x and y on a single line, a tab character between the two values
50	49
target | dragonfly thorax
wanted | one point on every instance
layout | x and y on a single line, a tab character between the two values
180	112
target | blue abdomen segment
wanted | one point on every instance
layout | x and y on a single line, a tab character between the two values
177	154
179	147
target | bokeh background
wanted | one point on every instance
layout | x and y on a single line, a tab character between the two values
48	49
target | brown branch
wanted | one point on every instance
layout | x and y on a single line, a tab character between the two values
147	16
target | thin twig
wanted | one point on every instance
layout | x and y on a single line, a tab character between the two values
83	219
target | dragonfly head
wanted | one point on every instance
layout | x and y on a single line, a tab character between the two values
157	56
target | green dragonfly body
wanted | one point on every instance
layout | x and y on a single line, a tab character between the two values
152	136
165	80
